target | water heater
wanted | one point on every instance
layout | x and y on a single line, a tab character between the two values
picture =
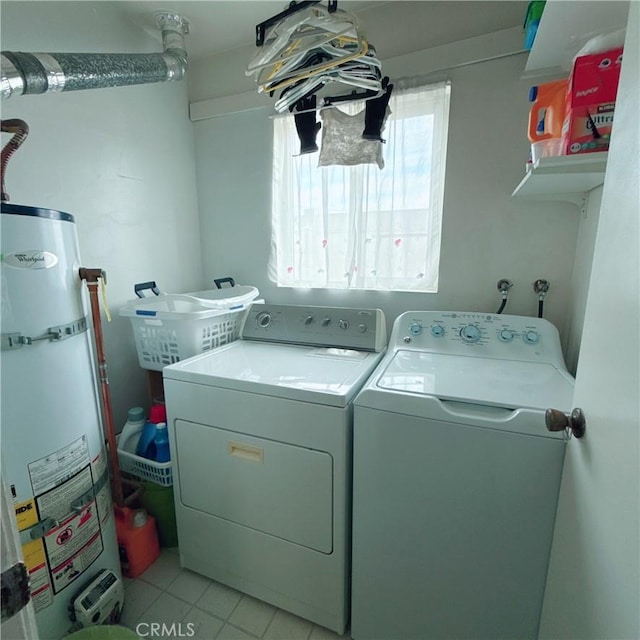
53	453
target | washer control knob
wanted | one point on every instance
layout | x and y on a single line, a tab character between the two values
264	319
326	322
470	333
415	328
343	324
437	331
505	335
531	337
362	328
308	320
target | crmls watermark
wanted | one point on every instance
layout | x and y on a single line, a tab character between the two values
163	630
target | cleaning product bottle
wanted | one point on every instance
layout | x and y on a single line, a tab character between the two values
547	112
161	442
146	445
137	540
132	429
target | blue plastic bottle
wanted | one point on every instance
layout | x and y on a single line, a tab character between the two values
161	442
146	446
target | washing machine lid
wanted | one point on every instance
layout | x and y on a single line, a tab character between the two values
322	375
488	381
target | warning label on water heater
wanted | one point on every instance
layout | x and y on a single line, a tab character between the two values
52	470
73	545
63	484
36	563
57	503
102	487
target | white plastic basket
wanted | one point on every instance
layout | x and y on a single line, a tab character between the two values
145	469
171	327
223	298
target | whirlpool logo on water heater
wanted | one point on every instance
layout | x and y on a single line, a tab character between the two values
31	259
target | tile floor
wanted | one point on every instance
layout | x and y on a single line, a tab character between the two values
166	593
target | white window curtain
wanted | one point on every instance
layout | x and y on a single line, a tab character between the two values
361	227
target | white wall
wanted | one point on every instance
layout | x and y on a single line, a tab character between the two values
580	278
120	160
593	584
487	235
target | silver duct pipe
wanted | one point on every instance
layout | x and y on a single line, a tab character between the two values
31	73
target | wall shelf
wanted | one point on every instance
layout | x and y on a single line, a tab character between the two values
565	29
562	32
564	178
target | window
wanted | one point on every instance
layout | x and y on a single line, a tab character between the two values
361	227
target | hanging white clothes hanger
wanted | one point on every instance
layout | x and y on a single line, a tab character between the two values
309	28
306	48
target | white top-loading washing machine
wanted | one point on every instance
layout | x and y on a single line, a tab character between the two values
260	434
456	478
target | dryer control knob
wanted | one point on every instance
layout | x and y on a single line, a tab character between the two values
362	328
531	337
326	322
308	320
343	324
264	319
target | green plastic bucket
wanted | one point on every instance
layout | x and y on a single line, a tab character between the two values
158	501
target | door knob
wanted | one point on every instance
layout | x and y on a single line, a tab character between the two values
560	421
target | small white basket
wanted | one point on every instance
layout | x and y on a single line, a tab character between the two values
172	327
143	468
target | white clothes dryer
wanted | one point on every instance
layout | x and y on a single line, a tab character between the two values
456	478
260	434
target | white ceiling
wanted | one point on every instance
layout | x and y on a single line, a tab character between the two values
394	27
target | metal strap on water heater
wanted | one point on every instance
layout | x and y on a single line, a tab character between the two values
53	334
40	529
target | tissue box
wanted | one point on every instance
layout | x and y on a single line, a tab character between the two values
591	102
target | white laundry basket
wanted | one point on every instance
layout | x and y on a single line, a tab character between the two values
172	327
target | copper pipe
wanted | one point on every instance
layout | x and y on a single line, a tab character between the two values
92	276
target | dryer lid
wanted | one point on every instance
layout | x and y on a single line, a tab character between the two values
312	374
503	383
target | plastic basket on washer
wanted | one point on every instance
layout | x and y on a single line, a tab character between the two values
171	327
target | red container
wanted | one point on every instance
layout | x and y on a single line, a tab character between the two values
137	540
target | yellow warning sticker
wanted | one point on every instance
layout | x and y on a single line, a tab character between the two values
26	514
33	552
35	560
